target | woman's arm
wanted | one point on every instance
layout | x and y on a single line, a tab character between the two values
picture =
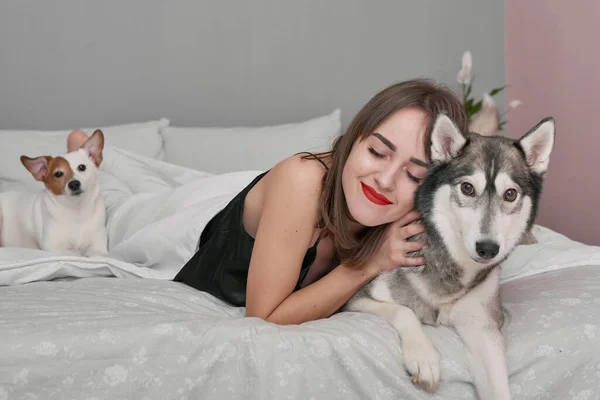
321	298
284	234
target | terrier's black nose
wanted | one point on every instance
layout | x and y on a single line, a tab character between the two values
487	249
74	185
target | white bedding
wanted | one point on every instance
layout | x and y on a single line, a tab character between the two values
154	339
108	338
156	211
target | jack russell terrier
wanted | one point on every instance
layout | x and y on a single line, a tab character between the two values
67	217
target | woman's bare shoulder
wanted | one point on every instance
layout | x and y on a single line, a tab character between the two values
304	174
292	184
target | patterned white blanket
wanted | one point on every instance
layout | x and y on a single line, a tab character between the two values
110	338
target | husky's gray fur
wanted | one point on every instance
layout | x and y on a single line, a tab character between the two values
464	225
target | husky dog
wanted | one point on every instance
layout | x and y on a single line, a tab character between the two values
478	201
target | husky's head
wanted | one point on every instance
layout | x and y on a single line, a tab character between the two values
481	195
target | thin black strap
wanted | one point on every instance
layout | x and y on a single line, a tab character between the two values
314	157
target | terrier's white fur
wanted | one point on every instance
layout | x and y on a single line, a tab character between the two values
67	217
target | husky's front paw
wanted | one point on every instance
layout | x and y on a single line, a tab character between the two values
422	362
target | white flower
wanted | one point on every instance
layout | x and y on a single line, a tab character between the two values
139	357
225	351
544	350
115	375
570	302
344	342
515	104
46	349
488	101
320	348
360	339
163	329
21	377
584	395
590	330
464	75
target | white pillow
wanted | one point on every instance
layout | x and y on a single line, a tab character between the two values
221	149
143	138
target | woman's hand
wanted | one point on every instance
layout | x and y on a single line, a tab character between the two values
395	248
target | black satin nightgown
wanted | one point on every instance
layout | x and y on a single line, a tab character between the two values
220	266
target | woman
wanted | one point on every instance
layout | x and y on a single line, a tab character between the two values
303	237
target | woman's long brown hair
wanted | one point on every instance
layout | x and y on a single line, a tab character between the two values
334	219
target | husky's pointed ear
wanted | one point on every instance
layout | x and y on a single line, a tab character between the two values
537	145
446	139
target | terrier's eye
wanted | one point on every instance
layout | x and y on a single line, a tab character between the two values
81	167
58	174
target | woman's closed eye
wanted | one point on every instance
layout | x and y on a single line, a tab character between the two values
375	152
414	178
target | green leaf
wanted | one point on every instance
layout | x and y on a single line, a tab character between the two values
495	91
469	108
477	107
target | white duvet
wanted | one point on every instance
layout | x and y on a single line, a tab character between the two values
156	211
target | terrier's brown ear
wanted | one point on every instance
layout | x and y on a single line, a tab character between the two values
37	166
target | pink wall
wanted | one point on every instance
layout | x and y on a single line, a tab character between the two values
553	66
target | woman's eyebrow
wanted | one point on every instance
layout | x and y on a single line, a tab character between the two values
420	163
391	145
385	141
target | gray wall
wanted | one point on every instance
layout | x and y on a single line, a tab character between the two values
66	64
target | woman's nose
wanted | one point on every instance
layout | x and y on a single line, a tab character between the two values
386	179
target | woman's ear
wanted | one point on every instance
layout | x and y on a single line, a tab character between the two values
76	139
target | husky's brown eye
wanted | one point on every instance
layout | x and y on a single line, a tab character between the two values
510	195
81	167
58	174
467	189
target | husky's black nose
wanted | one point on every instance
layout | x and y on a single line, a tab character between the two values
74	185
487	249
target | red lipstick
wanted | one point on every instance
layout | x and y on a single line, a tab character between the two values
374	196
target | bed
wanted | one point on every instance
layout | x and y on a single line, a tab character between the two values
119	328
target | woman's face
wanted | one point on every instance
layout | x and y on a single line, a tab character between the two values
384	170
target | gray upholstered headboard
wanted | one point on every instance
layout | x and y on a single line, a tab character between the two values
68	64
